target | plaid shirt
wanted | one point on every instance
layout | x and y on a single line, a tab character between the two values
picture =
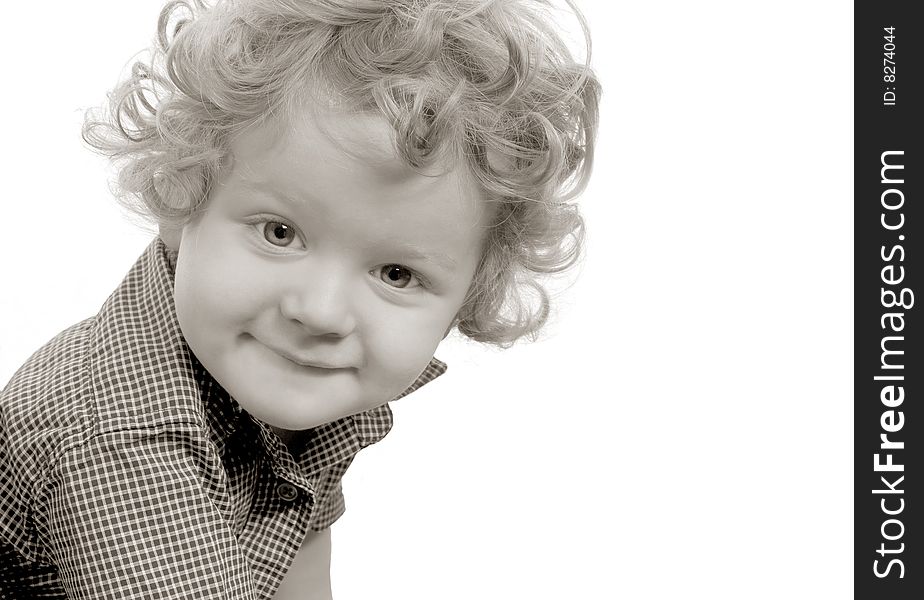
127	471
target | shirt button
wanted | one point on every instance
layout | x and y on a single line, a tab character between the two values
287	491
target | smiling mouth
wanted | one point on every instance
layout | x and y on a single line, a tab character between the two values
304	361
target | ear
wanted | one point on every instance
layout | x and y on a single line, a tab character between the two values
171	236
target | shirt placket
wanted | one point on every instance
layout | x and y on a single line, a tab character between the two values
276	526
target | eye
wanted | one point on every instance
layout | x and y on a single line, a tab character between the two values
278	234
398	276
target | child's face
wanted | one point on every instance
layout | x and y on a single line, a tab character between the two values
318	284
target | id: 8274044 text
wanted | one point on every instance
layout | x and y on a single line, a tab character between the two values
888	66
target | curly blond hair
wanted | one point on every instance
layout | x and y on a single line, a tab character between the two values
488	82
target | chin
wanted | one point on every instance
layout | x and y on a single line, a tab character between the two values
299	415
290	422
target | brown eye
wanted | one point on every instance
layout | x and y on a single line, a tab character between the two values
278	234
396	275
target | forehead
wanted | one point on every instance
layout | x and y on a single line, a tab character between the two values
335	160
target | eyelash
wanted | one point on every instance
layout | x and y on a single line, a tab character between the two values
259	225
415	276
258	228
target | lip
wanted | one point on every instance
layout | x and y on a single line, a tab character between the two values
308	362
305	360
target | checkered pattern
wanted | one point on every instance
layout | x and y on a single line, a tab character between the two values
126	471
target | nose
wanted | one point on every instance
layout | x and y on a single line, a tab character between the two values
320	305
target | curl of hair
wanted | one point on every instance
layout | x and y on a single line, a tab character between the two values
485	83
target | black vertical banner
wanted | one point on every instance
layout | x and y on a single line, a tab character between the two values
888	266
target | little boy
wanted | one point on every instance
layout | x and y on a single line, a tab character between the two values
337	185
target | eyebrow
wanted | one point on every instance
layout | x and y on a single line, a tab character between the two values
439	259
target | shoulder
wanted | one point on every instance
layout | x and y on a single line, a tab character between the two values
46	400
43	409
62	421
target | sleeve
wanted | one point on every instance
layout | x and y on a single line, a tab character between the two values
136	514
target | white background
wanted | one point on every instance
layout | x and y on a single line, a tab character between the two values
685	427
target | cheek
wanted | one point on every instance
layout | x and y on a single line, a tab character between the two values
211	286
401	348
